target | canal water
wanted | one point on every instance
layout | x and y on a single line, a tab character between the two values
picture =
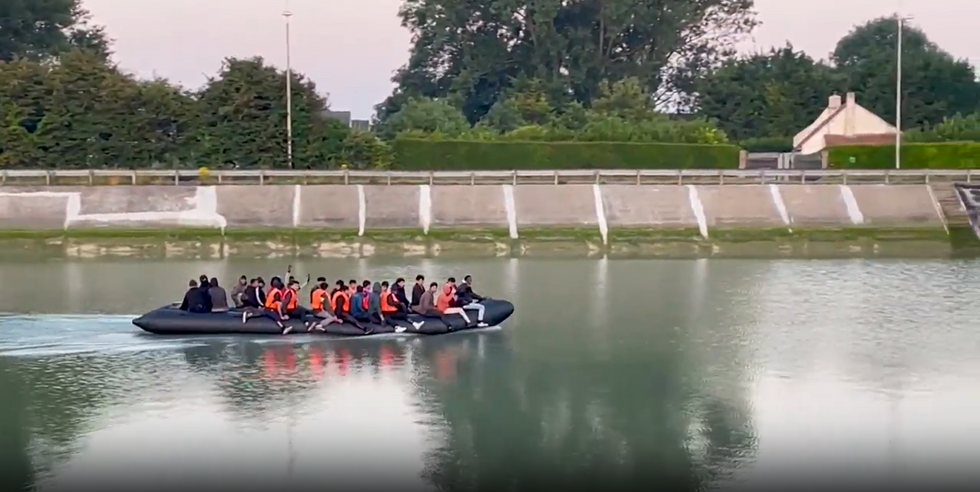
691	374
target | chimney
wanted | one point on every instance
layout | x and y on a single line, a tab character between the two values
834	102
850	115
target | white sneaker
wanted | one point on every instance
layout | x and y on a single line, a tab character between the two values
482	325
418	324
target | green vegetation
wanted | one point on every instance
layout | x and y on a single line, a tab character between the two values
416	154
942	155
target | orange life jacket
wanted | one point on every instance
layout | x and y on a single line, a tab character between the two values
341	302
388	302
366	301
271	301
316	299
292	300
444	301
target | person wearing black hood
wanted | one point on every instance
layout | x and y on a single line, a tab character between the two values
205	286
375	315
195	300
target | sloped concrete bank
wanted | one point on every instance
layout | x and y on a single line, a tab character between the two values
361	220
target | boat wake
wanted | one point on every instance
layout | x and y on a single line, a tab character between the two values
38	335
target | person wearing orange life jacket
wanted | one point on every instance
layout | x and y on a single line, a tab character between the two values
391	307
292	307
320	305
444	304
272	306
341	301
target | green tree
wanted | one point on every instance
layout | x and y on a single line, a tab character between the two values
956	129
472	50
40	29
83	112
243	119
424	115
774	94
527	103
935	85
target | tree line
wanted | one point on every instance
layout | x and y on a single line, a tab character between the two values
549	70
63	103
480	62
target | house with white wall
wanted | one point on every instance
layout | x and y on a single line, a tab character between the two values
843	123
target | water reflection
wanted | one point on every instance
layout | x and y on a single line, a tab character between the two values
16	469
696	374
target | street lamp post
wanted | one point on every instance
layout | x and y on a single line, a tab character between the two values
289	91
898	93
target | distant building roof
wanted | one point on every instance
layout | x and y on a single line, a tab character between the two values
342	116
843	124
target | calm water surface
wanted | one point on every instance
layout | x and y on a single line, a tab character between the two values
702	374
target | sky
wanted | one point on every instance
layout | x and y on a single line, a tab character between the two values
351	48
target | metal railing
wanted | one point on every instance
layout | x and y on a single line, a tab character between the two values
637	177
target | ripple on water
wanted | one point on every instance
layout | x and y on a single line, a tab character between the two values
51	335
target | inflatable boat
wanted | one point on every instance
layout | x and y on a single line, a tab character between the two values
169	320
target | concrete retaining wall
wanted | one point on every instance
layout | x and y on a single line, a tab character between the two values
512	208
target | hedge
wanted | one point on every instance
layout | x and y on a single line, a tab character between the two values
768	144
945	155
418	154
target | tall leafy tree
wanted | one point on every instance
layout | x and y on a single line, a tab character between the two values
774	94
83	112
243	119
935	85
472	50
39	29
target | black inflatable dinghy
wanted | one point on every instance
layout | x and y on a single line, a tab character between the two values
169	320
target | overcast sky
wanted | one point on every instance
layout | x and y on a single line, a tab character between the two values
350	48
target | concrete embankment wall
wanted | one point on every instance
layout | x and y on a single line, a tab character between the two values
504	211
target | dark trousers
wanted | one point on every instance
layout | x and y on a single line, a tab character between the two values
348	318
264	313
302	314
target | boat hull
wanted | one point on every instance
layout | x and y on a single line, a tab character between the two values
169	320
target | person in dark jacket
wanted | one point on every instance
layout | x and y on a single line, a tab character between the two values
469	300
250	296
417	290
374	305
195	299
398	289
219	298
357	304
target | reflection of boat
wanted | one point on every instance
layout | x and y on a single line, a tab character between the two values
170	320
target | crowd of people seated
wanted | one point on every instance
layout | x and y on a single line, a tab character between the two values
361	304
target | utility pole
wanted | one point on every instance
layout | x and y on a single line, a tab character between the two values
289	90
898	92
